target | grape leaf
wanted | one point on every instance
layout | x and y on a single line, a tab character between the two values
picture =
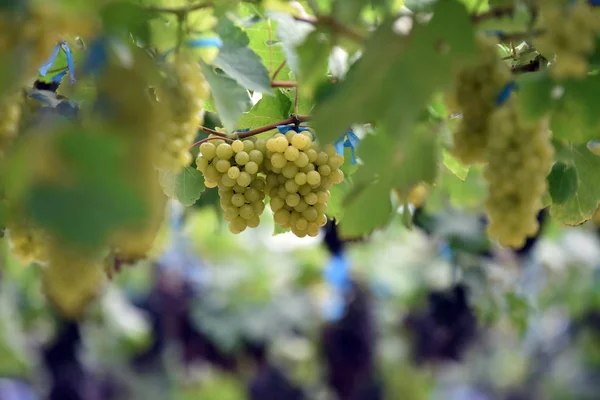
535	94
562	182
266	111
186	186
263	42
292	33
240	62
366	209
314	61
230	99
455	166
581	206
396	63
96	200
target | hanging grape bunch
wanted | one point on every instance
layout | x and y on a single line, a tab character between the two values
234	167
290	168
299	176
184	93
477	88
519	156
568	30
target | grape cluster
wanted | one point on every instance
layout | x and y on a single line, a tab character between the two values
184	93
27	244
289	168
477	87
519	158
569	32
10	116
234	168
299	177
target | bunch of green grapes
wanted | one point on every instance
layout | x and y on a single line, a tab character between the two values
519	156
477	87
71	281
184	93
10	117
299	176
234	168
569	31
28	244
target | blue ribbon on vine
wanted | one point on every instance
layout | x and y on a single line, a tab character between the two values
505	93
214	41
45	67
283	129
348	140
337	275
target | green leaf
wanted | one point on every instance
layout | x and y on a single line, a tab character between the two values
263	42
387	82
535	94
266	111
97	199
240	62
243	65
292	33
562	182
120	17
518	311
186	186
581	206
230	99
314	61
366	209
455	166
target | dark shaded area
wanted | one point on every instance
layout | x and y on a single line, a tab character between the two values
444	329
349	350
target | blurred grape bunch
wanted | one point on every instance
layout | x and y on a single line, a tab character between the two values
444	329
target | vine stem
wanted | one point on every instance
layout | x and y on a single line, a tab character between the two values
278	70
333	24
494	12
199	142
213	132
294	119
284	84
183	9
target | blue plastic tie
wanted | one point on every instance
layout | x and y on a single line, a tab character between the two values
505	93
45	67
70	61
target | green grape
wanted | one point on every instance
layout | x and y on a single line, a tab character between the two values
244	179
258	207
222	166
253	221
323	196
289	171
322	158
291	186
278	160
336	176
256	156
302	160
300	141
301	207
321	220
301	223
312	229
238	200
313	178
280	144
310	214
324	170
312	198
239	189
477	87
201	164
251	168
569	32
277	203
309	167
304	190
233	172
292	199
300	178
230	212
520	156
224	151
252	195
242	158
237	146
246	211
291	153
312	155
282	217
321	207
335	161
227	181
